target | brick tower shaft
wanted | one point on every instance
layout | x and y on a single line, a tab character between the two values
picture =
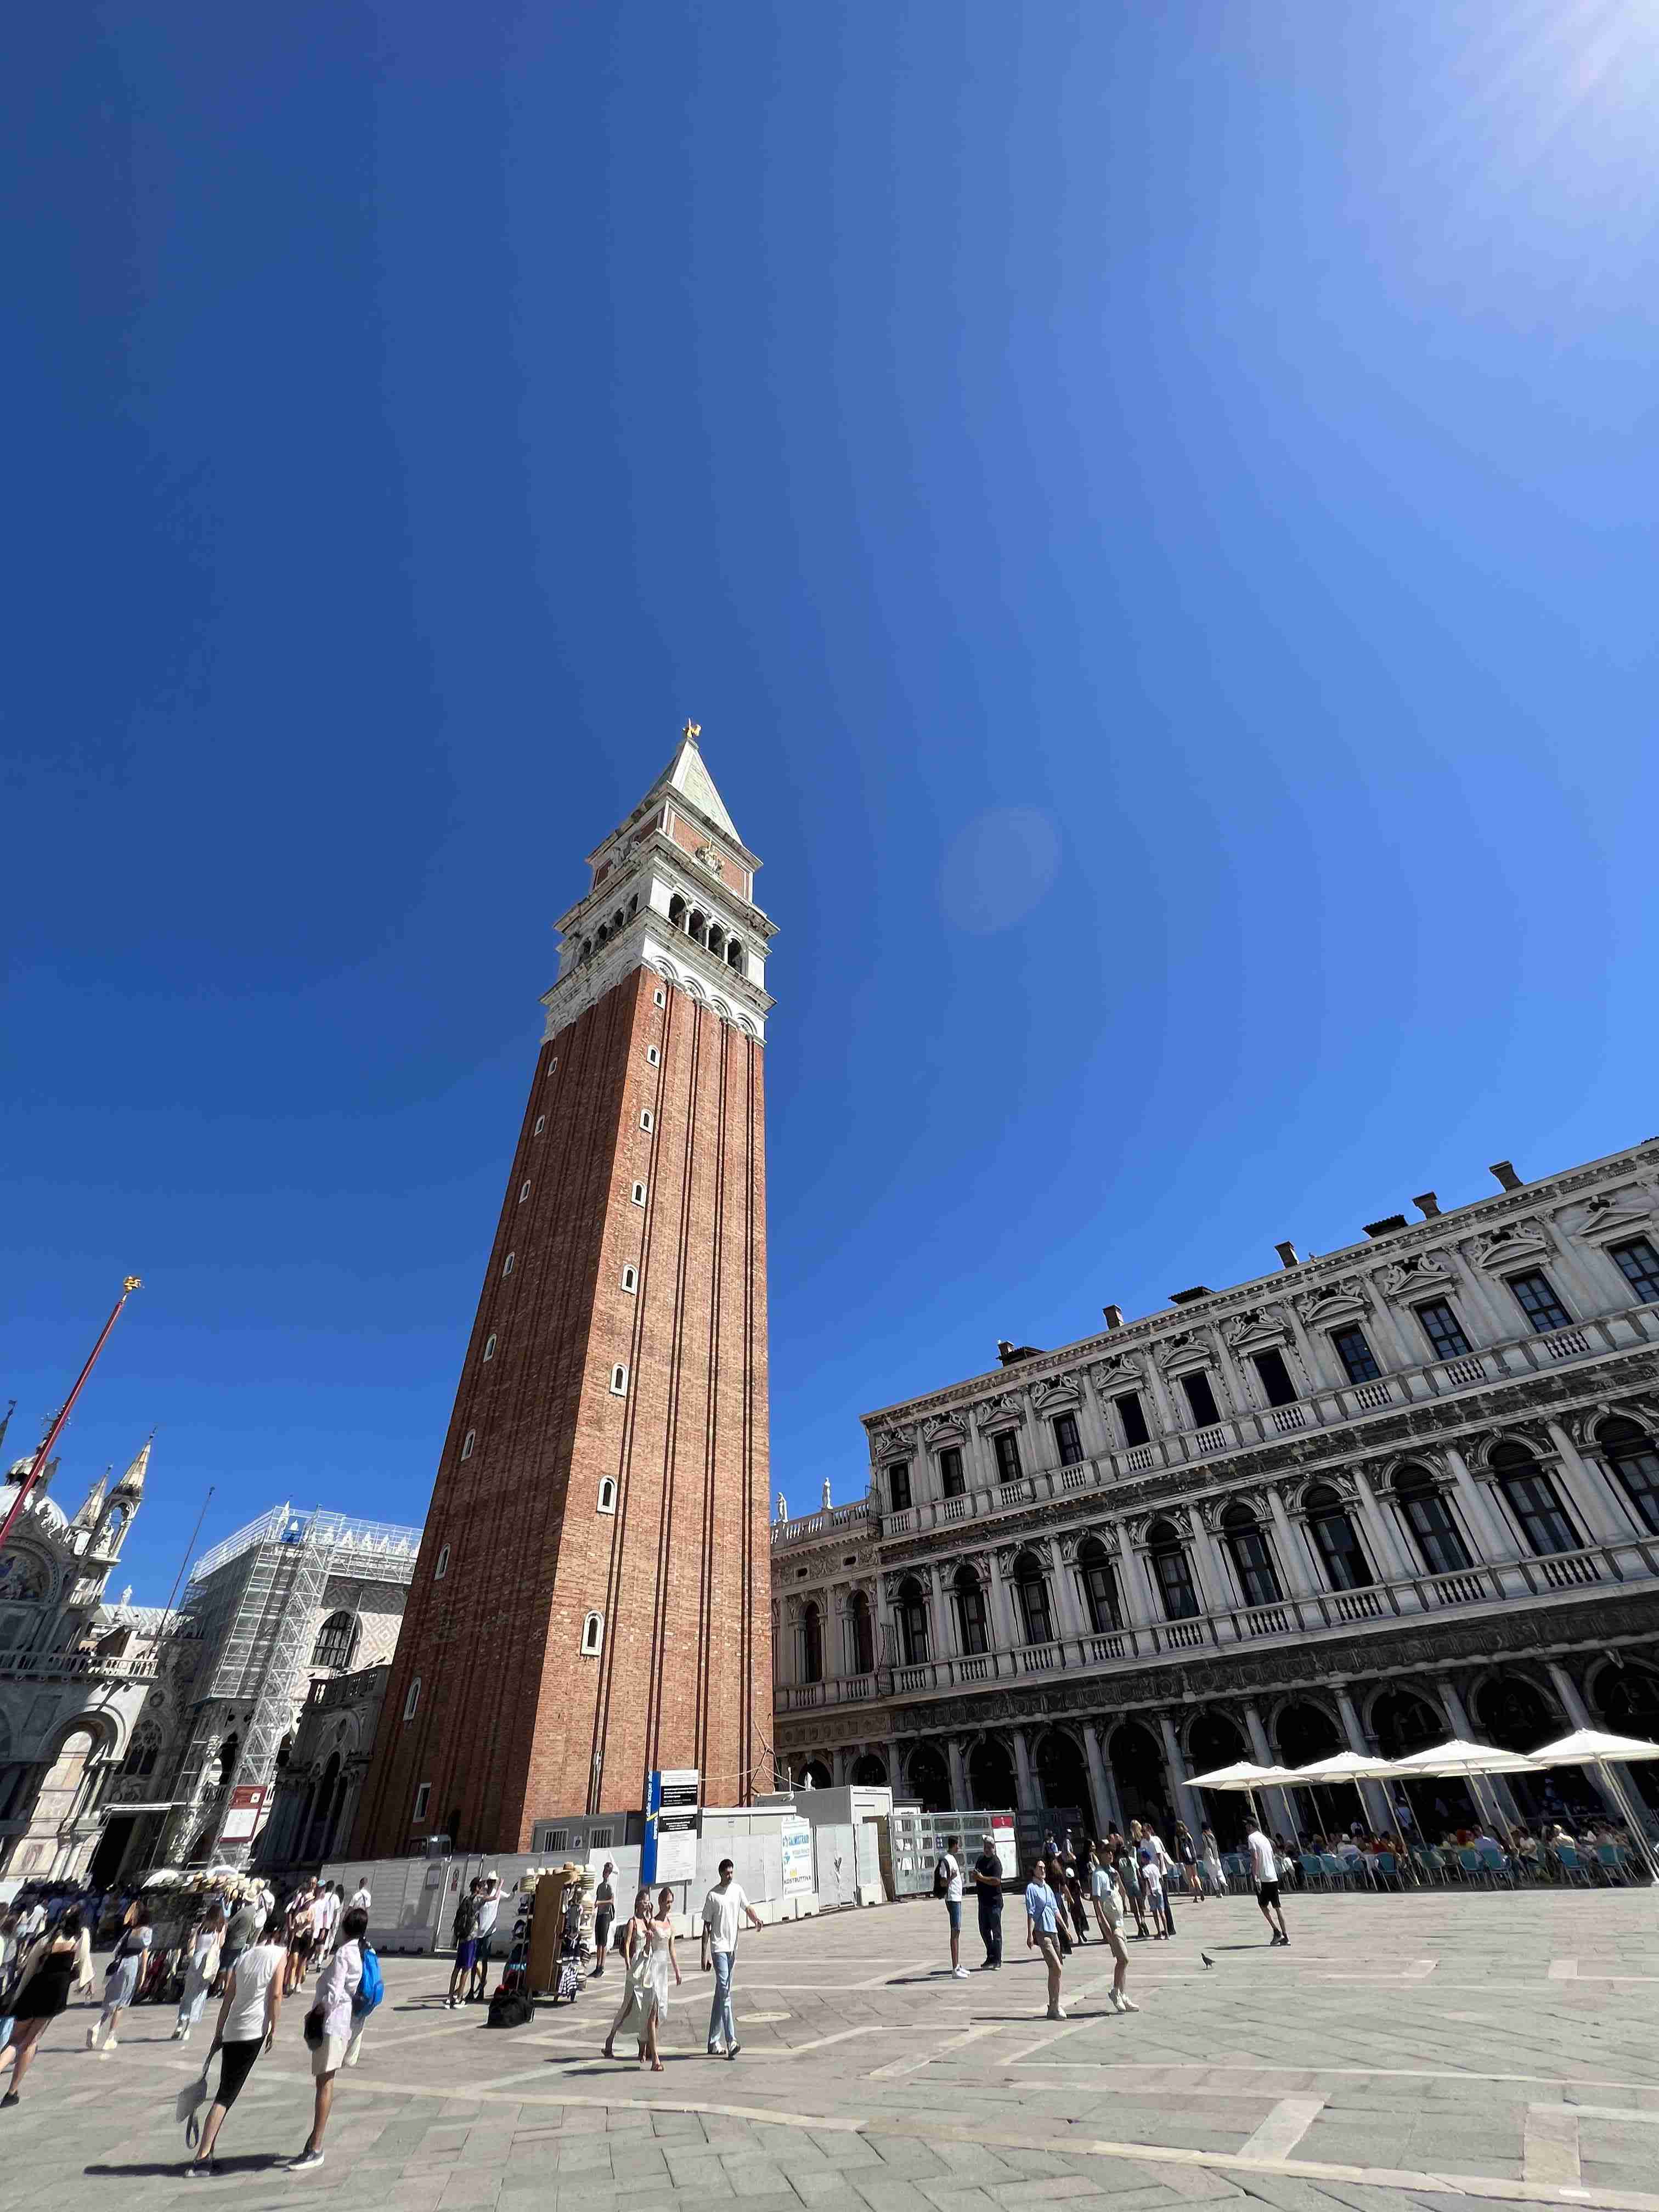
592	1594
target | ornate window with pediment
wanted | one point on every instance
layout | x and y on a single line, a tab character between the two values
1099	1581
1353	1349
970	1614
1253	1561
951	1481
1006	1445
913	1622
1635	1460
1031	1590
1069	1443
1535	1296
861	1635
1531	1493
1277	1386
1200	1399
1335	1540
1440	1324
1172	1571
811	1644
898	1486
1638	1263
1437	1537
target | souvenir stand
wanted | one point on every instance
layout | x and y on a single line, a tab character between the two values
561	1936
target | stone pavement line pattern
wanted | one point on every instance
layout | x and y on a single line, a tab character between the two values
1285	2127
1550	2151
1409	2105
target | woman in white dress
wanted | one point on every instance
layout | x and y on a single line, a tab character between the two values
633	2015
662	1960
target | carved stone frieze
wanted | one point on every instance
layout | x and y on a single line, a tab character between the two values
1512	1240
1258	1325
1005	1409
1122	1370
1417	1271
1333	1301
894	1442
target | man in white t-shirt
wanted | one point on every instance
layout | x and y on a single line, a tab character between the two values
1265	1867
484	1927
723	1912
949	1868
362	1898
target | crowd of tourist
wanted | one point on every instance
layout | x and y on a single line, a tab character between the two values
232	1939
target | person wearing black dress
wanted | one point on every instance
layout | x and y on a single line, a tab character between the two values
42	1995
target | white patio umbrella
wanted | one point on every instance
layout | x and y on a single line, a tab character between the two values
1605	1752
1243	1774
1459	1760
1341	1766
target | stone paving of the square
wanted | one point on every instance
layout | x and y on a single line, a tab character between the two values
1405	2051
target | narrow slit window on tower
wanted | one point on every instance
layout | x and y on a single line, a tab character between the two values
593	1634
422	1799
467	1443
653	1056
412	1699
630	1278
639	1194
647	1121
619	1381
490	1347
442	1567
660	998
507	1264
608	1494
541	1124
524	1191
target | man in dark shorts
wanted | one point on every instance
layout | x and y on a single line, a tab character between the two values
1265	1868
466	1944
605	1913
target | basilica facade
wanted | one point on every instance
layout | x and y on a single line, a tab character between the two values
1387	1494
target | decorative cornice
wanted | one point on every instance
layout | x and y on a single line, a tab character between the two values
1315	1276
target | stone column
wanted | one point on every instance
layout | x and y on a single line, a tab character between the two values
1599	1513
945	1615
1004	1633
1498	1316
1024	1781
1578	1713
1378	1521
1109	1813
959	1797
1493	1541
1215	1584
1185	1799
1132	1582
1068	1614
1372	1795
1292	1551
1275	1803
1458	1714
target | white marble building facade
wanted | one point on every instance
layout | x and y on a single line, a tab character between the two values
1390	1493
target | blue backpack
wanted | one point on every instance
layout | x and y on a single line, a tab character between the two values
369	1991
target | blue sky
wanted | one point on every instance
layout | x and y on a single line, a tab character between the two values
1151	507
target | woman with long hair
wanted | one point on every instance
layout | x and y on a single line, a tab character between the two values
121	1977
634	2013
662	1959
201	1971
47	1972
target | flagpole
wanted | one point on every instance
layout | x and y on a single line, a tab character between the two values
43	1457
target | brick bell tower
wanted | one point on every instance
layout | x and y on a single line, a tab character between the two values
592	1594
